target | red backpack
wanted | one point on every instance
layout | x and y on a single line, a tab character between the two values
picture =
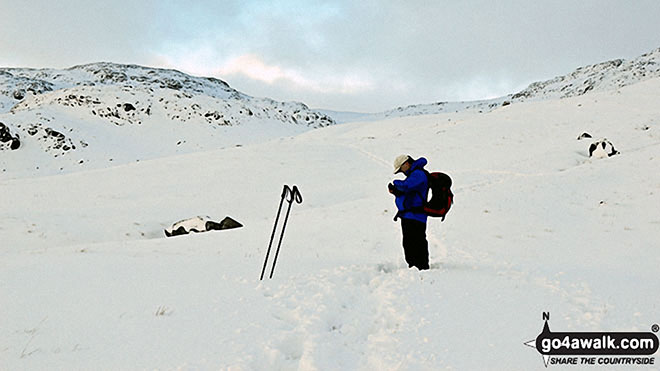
441	195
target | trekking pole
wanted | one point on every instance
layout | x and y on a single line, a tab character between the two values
270	244
295	196
290	195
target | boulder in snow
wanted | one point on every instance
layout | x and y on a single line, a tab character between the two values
200	224
584	135
12	141
602	148
19	94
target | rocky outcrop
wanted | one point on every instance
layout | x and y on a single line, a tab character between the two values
200	224
608	75
602	148
7	139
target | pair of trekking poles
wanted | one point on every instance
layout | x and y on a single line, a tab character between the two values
290	195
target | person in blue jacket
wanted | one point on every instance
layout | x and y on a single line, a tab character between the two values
410	195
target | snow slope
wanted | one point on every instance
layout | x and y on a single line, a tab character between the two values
88	281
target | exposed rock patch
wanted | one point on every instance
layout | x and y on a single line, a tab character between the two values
7	139
200	224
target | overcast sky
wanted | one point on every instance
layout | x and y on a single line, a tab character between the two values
357	55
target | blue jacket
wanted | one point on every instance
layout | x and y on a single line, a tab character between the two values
414	191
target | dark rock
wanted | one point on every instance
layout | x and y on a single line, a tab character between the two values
176	232
128	107
55	134
15	143
32	130
584	135
173	84
19	94
602	148
200	224
522	94
226	223
5	135
588	88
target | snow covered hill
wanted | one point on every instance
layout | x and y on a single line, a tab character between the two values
102	114
603	76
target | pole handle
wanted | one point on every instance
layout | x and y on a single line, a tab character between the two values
292	194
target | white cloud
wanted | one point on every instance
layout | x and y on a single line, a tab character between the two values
204	62
255	68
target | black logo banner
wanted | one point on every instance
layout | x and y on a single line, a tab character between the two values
594	344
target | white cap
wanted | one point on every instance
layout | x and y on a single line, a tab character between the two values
398	161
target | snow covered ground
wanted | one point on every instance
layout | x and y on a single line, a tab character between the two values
89	281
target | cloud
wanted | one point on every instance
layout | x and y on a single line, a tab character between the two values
204	61
253	67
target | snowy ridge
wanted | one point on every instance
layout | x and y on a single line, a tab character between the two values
79	116
479	106
17	82
610	75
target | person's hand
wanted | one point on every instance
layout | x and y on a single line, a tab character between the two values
391	188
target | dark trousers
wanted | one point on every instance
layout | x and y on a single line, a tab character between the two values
415	246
